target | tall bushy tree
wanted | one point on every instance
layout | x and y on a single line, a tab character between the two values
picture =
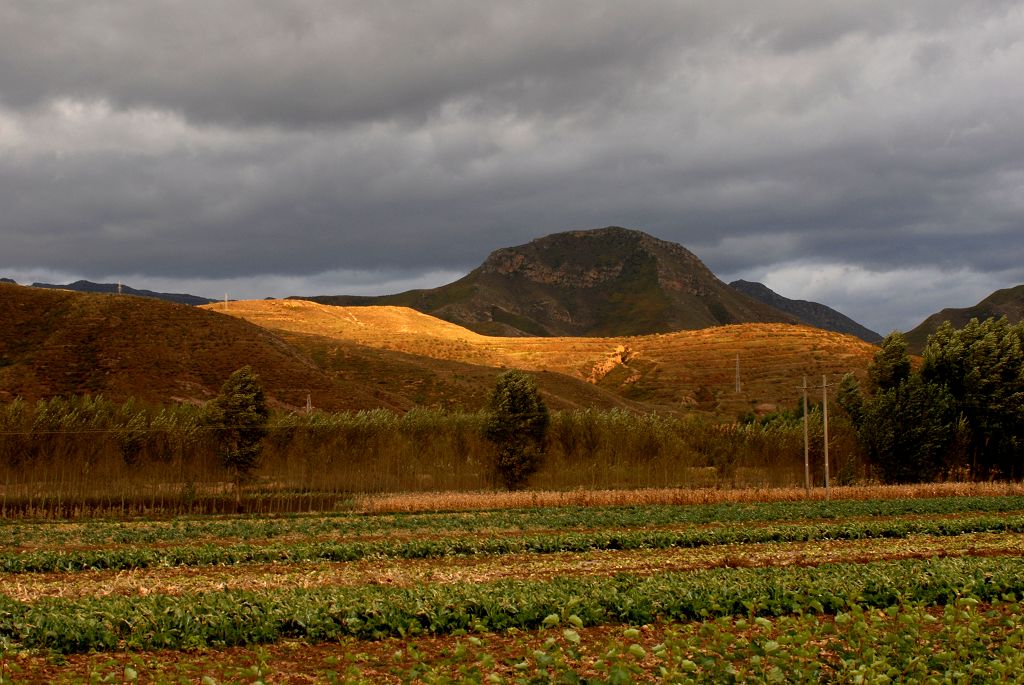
982	367
239	419
905	425
851	400
891	365
517	424
907	430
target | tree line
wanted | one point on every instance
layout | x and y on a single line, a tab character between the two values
958	415
65	450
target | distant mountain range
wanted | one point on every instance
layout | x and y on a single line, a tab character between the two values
114	288
1008	302
605	282
810	313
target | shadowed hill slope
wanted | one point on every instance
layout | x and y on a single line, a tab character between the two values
114	288
604	282
57	342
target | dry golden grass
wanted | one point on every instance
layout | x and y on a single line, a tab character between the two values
479	501
681	370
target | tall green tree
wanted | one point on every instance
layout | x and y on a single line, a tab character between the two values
891	365
517	423
982	367
907	431
851	400
905	424
239	419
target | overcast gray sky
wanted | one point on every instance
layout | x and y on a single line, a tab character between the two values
866	154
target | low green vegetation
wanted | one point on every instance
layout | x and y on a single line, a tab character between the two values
105	532
247	617
134	556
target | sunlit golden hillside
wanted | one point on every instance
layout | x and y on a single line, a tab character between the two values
687	370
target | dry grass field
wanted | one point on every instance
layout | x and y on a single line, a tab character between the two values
55	343
485	501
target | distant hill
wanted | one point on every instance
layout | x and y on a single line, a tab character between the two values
604	282
810	313
114	288
1008	302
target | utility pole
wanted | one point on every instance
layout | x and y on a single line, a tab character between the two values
807	445
119	287
225	301
309	403
824	396
739	386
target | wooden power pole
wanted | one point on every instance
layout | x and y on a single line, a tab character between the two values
807	445
824	416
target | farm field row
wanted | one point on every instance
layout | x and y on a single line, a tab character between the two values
793	592
126	557
31	587
965	640
26	535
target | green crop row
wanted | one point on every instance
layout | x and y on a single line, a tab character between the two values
220	619
122	558
246	528
963	643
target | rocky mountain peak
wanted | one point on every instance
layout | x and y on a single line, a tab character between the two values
588	259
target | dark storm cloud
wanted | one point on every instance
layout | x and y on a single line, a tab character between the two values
308	62
234	140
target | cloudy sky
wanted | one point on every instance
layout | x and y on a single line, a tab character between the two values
867	154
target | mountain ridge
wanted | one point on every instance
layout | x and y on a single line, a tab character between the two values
83	286
1008	302
811	313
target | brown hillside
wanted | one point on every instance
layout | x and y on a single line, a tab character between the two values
672	371
57	342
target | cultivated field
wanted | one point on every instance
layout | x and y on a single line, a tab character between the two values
852	589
